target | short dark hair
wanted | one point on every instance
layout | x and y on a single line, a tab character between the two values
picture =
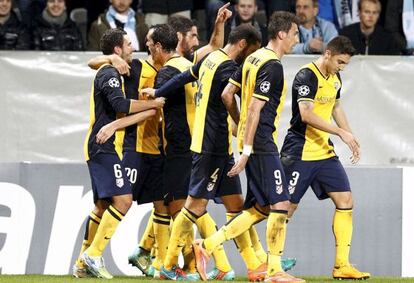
247	32
166	36
281	21
341	45
181	24
110	39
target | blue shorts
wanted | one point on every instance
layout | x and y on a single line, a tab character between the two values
177	171
145	173
266	183
209	178
323	176
108	176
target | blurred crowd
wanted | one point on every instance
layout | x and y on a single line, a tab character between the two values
376	27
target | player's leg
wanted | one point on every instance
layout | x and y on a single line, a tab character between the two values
91	226
207	227
176	179
111	182
332	181
138	167
161	224
269	173
141	256
256	270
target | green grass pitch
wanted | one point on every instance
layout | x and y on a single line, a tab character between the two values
122	279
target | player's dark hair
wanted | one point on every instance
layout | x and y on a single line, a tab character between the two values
281	21
246	32
341	45
181	24
111	39
166	36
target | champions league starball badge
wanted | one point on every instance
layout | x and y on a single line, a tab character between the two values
303	90
113	82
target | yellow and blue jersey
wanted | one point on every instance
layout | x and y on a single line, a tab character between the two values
303	141
212	126
144	137
179	108
107	103
261	77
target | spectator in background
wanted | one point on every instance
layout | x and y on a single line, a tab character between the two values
314	32
245	11
367	36
400	12
158	11
13	34
340	12
119	15
54	30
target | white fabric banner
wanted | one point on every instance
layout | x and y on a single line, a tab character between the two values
45	106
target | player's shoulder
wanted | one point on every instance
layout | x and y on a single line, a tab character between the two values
271	67
107	73
306	73
107	70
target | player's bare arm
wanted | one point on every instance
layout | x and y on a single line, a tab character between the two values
109	129
142	105
253	117
341	120
310	118
217	37
229	100
120	64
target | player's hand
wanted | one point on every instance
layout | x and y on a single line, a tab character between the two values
120	64
148	92
238	166
223	14
104	134
159	102
353	144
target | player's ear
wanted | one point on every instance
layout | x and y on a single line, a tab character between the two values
118	50
179	36
242	43
281	35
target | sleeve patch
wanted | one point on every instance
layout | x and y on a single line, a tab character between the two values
265	87
113	82
303	90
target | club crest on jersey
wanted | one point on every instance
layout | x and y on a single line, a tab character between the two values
337	86
119	182
303	90
113	82
279	189
265	87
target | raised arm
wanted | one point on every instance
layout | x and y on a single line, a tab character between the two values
217	37
114	60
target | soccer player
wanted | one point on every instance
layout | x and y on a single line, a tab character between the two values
212	150
111	189
308	154
262	98
142	158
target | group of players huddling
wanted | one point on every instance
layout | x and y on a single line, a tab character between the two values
191	110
